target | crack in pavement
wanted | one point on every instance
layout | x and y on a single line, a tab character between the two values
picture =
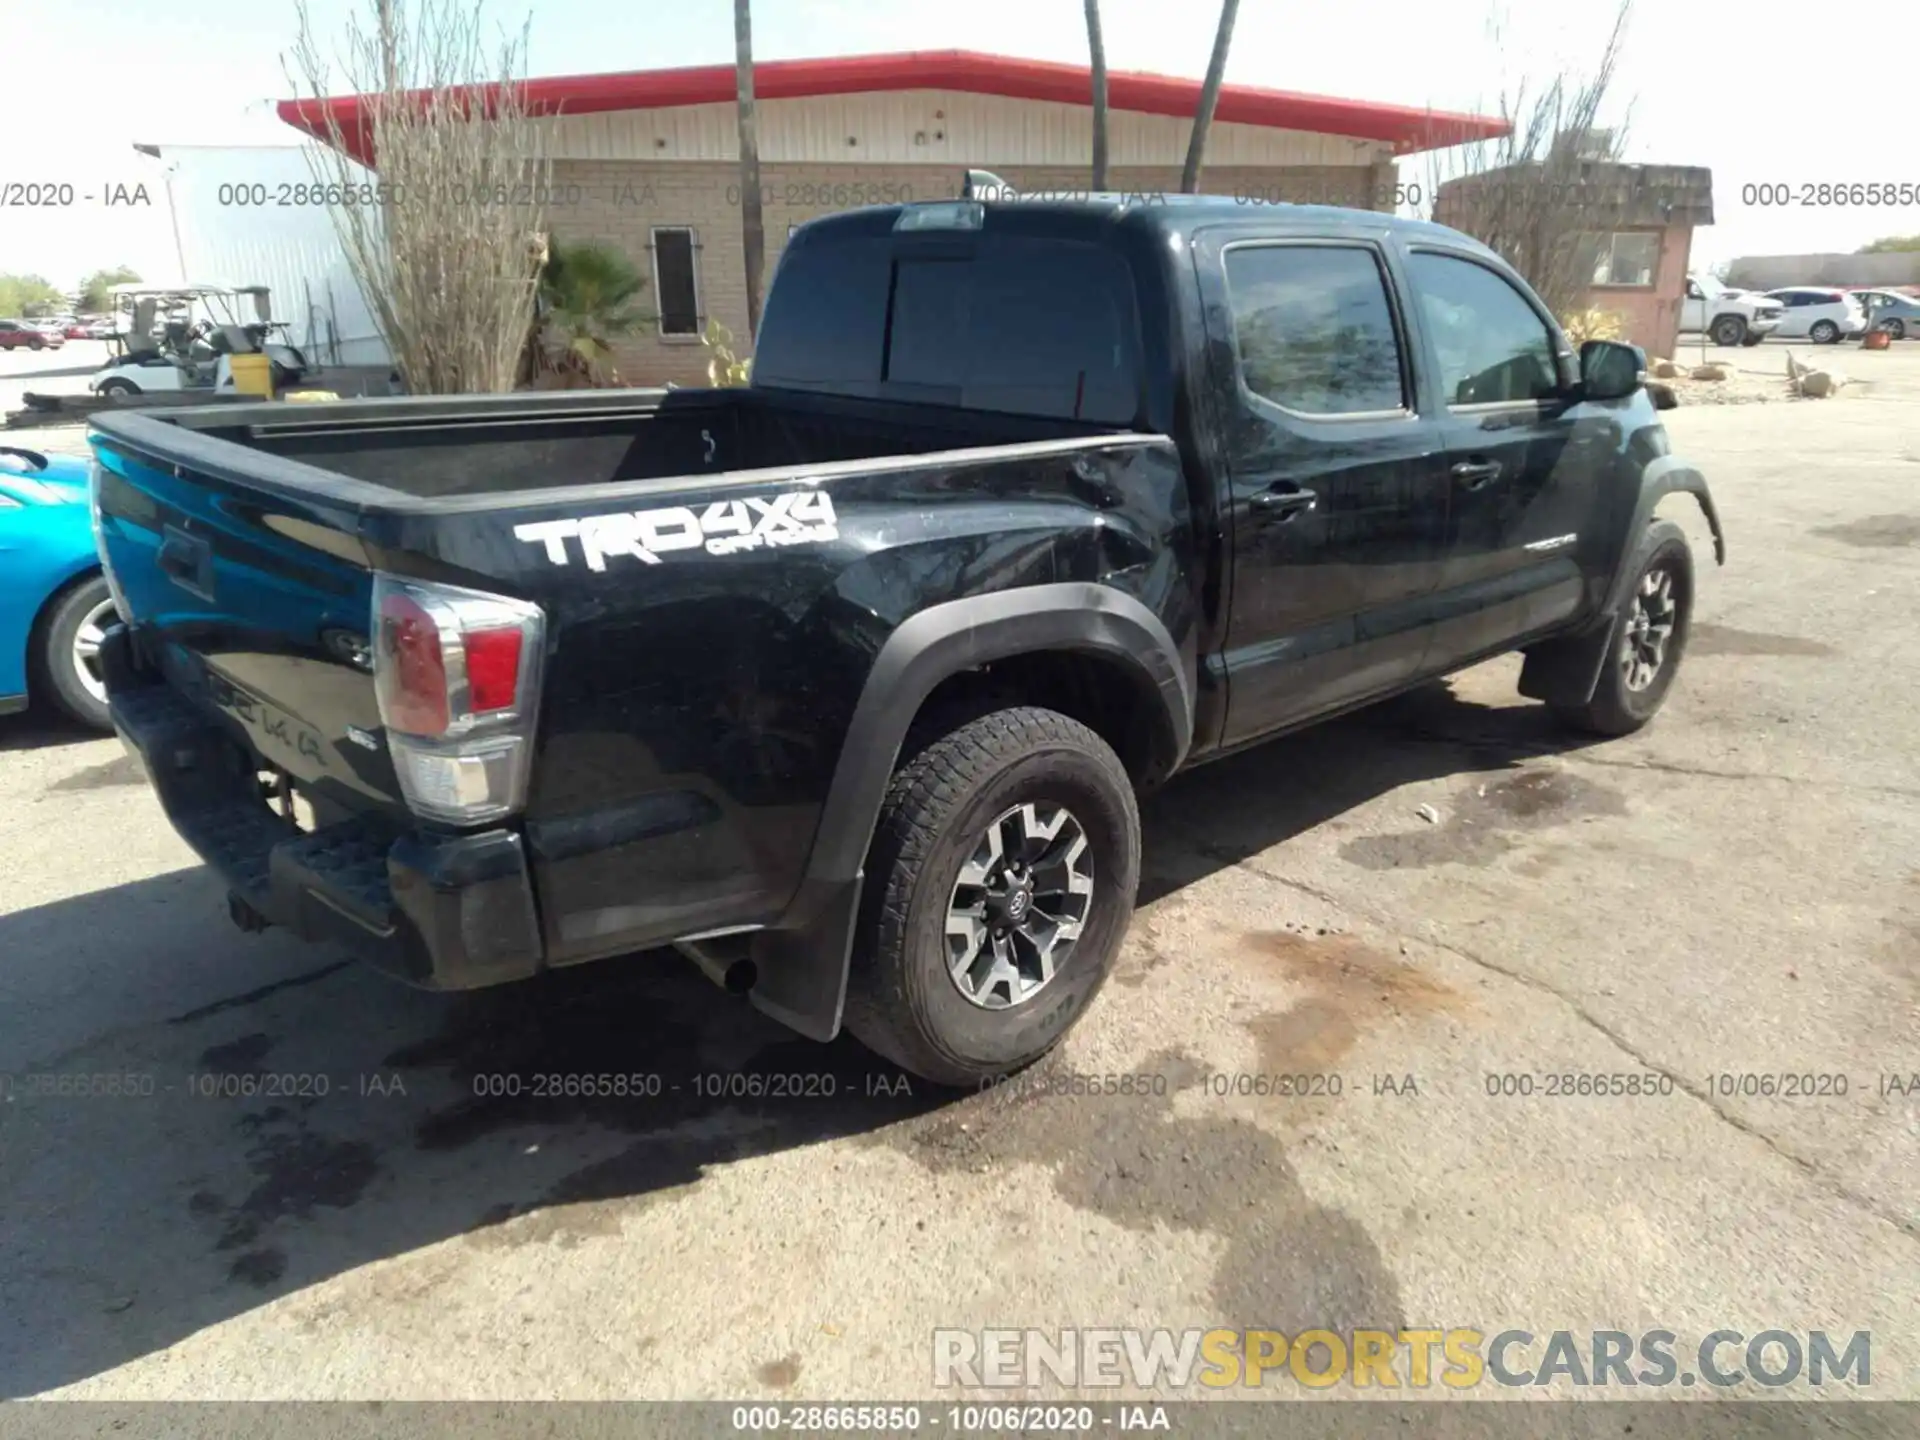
1813	1171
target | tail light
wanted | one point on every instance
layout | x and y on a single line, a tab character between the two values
457	674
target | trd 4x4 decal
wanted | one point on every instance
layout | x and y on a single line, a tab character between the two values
794	517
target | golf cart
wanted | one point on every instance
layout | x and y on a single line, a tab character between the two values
187	338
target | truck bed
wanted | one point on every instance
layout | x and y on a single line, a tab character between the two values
470	447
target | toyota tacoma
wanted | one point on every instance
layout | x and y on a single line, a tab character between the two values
845	682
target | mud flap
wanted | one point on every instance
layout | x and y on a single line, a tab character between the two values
800	972
1566	670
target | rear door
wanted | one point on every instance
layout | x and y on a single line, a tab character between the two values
1796	316
1337	502
1523	465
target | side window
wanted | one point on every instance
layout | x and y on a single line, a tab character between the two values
1492	345
1314	328
1694	292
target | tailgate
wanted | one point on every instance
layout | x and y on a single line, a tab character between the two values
257	606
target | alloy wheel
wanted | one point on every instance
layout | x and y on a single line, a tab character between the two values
86	649
1643	648
1018	908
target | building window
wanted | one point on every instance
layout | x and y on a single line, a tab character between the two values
676	280
1628	258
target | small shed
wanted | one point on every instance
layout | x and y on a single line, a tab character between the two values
1639	224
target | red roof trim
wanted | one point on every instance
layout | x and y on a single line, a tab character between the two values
1405	128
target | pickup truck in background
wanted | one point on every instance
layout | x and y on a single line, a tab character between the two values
1730	317
845	683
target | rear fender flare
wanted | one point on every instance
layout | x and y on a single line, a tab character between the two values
801	962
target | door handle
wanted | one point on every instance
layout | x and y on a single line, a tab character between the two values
1283	502
1473	474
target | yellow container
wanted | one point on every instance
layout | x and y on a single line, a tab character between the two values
252	375
311	397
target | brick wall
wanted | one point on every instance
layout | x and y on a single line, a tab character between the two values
619	201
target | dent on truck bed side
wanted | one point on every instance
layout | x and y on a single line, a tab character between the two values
802	963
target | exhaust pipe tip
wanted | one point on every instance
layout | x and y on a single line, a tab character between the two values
722	962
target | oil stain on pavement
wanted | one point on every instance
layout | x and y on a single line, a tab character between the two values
1725	640
1875	532
1286	1263
1481	824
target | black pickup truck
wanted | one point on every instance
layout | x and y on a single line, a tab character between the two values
844	683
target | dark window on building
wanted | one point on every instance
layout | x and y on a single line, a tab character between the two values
676	282
1493	346
1314	328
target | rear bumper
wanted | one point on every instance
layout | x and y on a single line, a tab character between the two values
443	911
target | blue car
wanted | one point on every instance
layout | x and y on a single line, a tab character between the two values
54	602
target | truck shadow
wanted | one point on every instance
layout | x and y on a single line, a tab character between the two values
308	1118
1229	811
39	727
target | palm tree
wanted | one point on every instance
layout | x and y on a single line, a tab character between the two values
587	295
753	233
1209	98
1097	54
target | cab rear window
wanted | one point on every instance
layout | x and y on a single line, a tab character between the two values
1018	325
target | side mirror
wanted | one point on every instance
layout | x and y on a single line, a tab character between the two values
1610	370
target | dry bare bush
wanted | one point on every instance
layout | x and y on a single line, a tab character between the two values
448	251
1539	194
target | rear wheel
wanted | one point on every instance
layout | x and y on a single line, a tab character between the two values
68	654
1000	883
117	386
1649	637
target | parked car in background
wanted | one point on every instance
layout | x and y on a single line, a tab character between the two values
15	334
76	330
101	327
1891	311
1819	313
1731	317
54	603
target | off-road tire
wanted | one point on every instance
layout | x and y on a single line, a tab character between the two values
901	1001
1616	709
53	653
1729	330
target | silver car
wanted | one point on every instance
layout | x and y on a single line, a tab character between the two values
1891	311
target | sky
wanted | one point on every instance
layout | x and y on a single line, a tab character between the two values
1702	82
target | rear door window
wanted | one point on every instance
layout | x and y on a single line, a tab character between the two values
1314	328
